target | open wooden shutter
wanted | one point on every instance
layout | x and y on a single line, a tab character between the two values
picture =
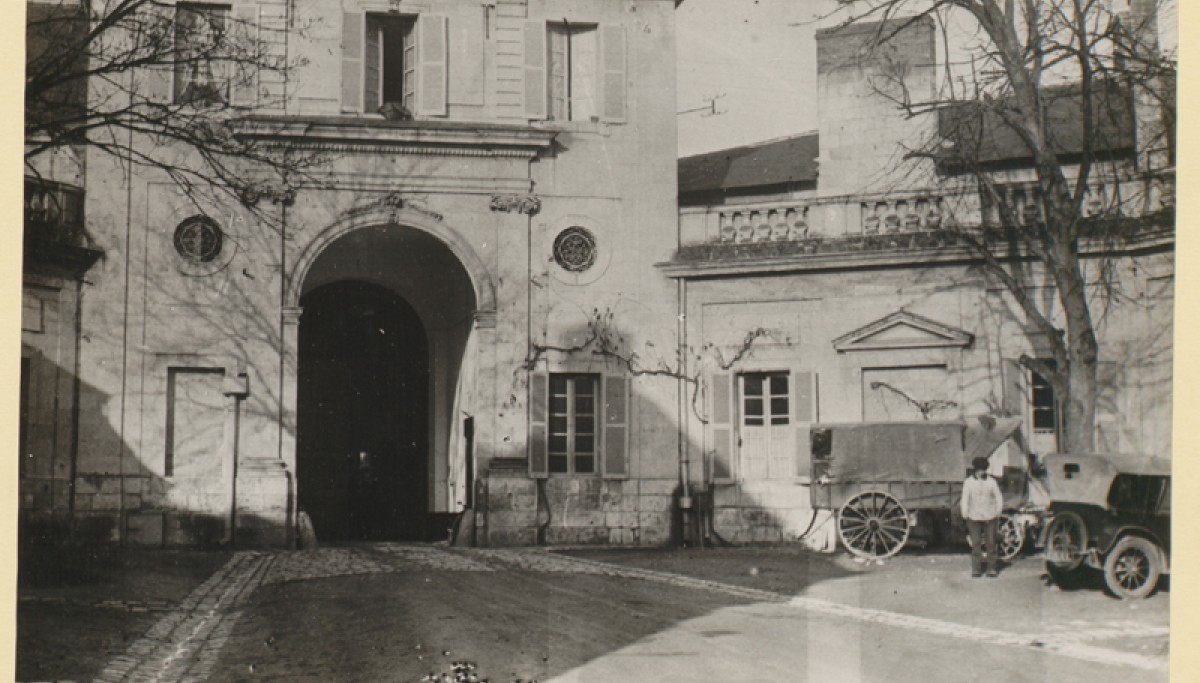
372	65
613	86
721	428
244	73
352	61
539	391
433	44
535	70
616	427
804	408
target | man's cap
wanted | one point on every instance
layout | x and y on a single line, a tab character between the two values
980	463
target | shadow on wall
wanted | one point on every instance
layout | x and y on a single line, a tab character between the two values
89	488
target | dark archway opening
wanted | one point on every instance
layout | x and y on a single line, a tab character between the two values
363	388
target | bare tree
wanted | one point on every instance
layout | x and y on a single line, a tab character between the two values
1080	94
161	87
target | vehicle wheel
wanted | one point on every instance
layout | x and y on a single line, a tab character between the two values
1066	542
873	525
1010	537
1132	568
1064	578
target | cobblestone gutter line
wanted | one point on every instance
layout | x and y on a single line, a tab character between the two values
183	646
127	605
1065	646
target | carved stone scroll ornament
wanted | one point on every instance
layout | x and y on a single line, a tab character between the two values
277	193
394	201
527	204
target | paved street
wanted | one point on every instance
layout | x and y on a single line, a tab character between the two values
391	612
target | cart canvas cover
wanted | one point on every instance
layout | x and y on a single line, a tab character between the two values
913	451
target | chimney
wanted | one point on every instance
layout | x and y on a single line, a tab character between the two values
865	72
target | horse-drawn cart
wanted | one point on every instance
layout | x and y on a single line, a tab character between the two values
883	479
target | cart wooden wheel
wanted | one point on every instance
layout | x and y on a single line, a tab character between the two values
873	525
1010	537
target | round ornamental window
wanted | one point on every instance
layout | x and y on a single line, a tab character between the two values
575	249
199	239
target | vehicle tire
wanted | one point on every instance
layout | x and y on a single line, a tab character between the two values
1066	542
1133	567
1010	537
1064	578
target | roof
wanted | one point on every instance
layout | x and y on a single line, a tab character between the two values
775	162
978	134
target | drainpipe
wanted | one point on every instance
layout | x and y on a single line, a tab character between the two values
685	467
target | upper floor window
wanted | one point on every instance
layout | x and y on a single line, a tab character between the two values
394	61
390	62
575	72
199	30
573	63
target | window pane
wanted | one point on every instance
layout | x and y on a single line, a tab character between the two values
779	385
558	405
558	463
558	384
585	425
1043	396
584	443
779	406
585	386
779	420
1043	419
754	421
585	405
558	424
558	443
753	385
754	407
585	464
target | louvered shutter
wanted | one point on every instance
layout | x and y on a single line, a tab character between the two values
804	400
535	70
352	61
616	427
613	83
432	43
372	65
247	39
156	83
539	389
721	428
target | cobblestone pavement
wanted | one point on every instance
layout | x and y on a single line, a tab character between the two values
183	646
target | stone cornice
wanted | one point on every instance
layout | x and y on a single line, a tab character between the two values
885	259
354	134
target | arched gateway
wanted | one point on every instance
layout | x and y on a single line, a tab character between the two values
384	374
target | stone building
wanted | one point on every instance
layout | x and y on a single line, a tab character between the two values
819	283
375	346
485	308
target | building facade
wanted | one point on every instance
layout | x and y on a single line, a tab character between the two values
495	302
825	279
370	349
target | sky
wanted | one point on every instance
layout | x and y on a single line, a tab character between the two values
758	59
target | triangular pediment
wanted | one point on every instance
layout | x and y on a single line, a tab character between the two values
902	330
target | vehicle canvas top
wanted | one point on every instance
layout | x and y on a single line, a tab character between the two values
1086	478
910	451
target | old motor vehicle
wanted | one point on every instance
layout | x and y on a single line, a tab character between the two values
1110	513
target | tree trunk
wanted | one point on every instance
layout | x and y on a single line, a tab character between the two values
1083	354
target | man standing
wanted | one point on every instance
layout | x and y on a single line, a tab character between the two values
982	503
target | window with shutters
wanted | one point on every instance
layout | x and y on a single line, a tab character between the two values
572	428
199	32
572	65
390	62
